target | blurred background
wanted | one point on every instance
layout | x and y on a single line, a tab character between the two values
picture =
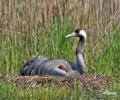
95	16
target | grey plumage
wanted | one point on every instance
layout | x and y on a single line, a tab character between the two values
43	66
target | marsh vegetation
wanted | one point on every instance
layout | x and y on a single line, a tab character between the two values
28	28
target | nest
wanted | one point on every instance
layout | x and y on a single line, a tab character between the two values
89	82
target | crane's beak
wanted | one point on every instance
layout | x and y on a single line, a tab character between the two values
71	35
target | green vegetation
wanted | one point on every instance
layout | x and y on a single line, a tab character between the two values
101	50
10	92
108	61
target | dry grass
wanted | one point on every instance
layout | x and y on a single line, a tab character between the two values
89	82
95	16
16	15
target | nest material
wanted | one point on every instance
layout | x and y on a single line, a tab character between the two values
91	82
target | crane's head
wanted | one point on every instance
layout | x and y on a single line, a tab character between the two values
79	32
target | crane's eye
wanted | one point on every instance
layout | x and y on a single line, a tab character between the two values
76	31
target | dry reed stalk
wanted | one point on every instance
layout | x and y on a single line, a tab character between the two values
94	16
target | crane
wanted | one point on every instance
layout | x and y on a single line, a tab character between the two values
39	65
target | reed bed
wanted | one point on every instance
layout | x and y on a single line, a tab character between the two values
31	27
95	16
21	20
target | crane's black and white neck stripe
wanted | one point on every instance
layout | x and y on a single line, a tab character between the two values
79	58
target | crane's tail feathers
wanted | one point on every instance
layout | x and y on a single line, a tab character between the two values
29	66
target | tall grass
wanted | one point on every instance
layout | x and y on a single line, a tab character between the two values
15	51
38	27
108	60
28	28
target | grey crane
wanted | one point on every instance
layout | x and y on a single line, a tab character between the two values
59	67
